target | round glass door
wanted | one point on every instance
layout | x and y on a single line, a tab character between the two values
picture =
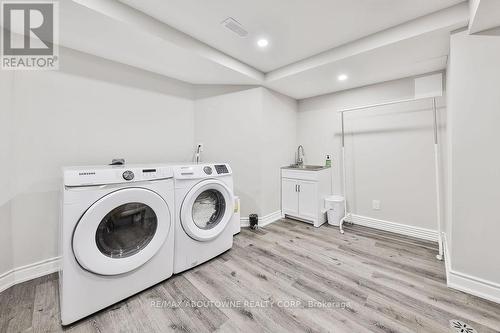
121	231
206	210
126	230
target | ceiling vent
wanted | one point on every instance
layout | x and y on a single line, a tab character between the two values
235	26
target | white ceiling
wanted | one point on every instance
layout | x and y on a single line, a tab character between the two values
418	55
485	14
296	29
187	42
124	43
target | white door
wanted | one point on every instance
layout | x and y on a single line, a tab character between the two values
289	196
121	231
207	209
308	203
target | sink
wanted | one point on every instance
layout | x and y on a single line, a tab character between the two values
306	167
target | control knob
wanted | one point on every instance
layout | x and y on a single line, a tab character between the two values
128	175
207	170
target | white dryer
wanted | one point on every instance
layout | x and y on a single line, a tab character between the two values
204	207
117	235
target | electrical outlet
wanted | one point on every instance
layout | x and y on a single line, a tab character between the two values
376	204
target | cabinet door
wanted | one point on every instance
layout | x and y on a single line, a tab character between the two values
308	200
289	196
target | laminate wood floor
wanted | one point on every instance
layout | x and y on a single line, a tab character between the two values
286	277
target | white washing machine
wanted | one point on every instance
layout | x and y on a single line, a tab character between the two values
117	235
204	207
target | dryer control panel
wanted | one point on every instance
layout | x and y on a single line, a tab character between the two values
221	169
195	171
115	174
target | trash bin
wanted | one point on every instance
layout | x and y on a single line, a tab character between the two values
334	205
254	221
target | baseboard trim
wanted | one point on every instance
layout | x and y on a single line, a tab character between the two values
28	272
474	286
467	283
417	232
263	220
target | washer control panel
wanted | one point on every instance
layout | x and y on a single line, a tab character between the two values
201	171
221	169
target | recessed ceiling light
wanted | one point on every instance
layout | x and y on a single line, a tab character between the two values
342	77
263	42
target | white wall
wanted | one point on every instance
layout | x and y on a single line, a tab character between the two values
6	113
254	130
89	112
390	157
389	150
445	136
229	127
474	101
279	135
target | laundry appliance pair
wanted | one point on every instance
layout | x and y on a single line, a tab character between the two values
126	228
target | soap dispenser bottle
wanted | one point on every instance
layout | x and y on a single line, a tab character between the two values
328	161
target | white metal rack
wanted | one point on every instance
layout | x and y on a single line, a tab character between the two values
347	215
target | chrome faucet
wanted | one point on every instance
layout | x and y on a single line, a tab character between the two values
300	157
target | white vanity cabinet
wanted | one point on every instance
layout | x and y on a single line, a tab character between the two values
303	194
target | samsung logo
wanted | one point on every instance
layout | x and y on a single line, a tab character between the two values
86	173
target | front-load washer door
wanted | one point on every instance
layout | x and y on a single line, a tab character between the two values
121	231
207	210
